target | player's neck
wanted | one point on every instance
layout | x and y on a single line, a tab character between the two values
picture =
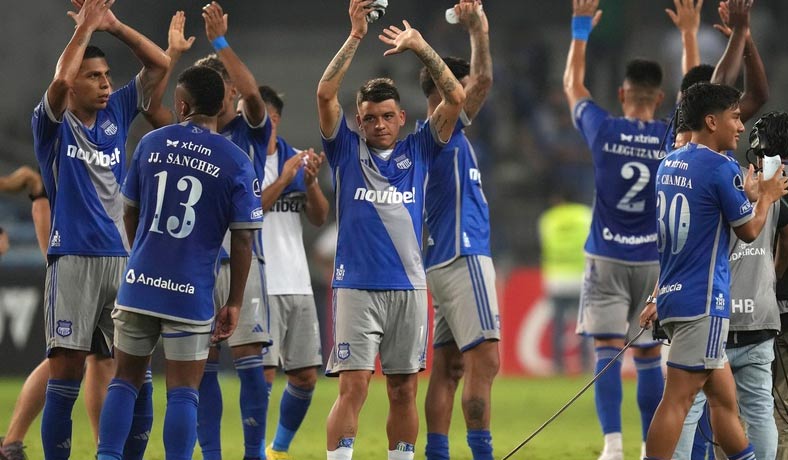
639	112
225	119
272	142
202	121
87	117
706	139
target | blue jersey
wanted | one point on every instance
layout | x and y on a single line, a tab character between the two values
380	206
190	185
458	217
626	154
82	168
700	196
253	140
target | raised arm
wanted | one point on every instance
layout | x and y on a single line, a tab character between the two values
23	178
585	15
471	16
328	108
88	19
159	114
155	61
735	15
445	116
242	78
686	18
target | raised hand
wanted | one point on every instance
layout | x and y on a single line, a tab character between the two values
687	15
587	8
358	11
470	15
739	13
401	40
215	21
176	40
94	14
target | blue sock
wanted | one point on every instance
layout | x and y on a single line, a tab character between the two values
437	446
746	454
209	413
180	423
116	419
141	423
607	390
292	410
254	403
480	442
56	419
649	390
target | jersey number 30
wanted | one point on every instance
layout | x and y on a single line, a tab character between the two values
195	191
677	226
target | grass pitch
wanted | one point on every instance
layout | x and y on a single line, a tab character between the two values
519	407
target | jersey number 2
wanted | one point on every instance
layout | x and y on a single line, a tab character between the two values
195	191
628	172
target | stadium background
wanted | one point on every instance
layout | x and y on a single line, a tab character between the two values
523	136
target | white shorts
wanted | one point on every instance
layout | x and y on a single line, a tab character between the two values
137	334
253	322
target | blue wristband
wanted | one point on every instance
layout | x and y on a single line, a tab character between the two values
581	27
219	43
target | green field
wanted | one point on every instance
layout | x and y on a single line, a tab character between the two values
519	407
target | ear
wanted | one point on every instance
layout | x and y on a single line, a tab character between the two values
711	122
358	120
621	94
660	97
402	118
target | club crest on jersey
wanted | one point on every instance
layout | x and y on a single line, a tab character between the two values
343	351
403	162
109	128
63	328
172	143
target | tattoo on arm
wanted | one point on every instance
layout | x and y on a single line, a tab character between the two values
336	69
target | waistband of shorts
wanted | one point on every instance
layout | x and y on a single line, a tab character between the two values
743	338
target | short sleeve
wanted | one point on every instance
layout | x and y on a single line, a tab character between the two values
736	208
131	185
427	141
588	118
127	102
45	127
247	211
340	142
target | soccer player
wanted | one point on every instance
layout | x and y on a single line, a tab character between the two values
755	315
79	133
185	187
622	259
700	198
460	271
248	127
380	302
289	189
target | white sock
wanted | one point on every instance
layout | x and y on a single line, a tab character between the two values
342	453
613	442
400	455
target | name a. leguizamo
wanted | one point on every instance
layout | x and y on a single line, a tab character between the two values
159	282
389	196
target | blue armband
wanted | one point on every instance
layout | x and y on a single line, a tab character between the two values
581	27
219	43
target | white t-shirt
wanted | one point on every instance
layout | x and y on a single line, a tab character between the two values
286	269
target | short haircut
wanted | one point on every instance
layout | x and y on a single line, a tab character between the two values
212	61
698	74
377	90
93	51
206	88
458	66
644	73
271	98
702	99
769	135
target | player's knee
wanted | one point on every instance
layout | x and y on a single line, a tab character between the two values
67	364
353	387
402	389
305	379
647	353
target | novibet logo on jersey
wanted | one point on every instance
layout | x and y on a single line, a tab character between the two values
159	282
389	196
